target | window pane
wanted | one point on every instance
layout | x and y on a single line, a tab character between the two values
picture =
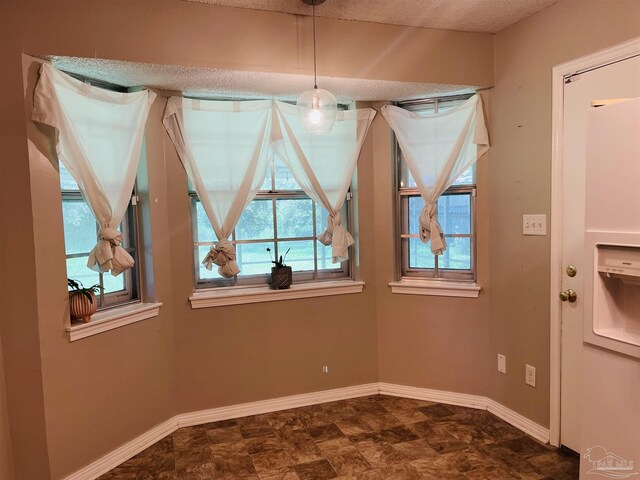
203	273
454	213
80	232
204	230
66	180
77	270
256	221
284	178
457	256
468	177
111	283
416	204
253	258
300	257
420	255
295	218
324	258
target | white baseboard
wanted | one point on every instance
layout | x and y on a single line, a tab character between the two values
440	396
521	422
138	444
125	452
275	404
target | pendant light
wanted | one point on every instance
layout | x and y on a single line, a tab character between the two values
317	108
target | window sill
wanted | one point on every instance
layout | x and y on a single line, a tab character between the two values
439	288
114	318
219	297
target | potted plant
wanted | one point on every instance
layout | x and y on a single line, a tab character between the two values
82	300
281	275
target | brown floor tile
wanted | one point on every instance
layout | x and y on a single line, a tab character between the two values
368	475
402	471
398	434
347	461
189	437
220	424
287	420
299	445
263	443
283	474
415	449
409	416
325	432
318	470
440	466
224	434
271	460
436	411
353	426
382	455
369	438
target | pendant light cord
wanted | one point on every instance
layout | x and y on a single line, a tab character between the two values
315	65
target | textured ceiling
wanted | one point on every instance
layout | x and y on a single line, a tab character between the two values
489	16
211	82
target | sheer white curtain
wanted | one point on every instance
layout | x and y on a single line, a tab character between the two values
99	137
224	149
323	165
438	148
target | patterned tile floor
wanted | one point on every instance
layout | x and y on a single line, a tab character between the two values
366	438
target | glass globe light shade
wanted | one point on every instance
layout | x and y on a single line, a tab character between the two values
317	110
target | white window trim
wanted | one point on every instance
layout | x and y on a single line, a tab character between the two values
221	296
439	288
113	318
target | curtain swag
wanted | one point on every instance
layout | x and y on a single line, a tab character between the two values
98	139
438	148
323	165
225	148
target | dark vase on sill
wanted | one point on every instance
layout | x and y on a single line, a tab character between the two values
281	278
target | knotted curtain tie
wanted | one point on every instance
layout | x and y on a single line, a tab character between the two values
222	254
430	228
108	255
338	237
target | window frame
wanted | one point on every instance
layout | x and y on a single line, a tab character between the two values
273	194
129	228
401	197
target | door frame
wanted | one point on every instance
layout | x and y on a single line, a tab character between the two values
583	64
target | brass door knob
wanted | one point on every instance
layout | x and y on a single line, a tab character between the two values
569	295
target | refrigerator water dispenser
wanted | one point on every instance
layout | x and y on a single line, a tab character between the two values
616	299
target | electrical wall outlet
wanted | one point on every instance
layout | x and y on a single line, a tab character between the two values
325	369
534	224
502	363
530	375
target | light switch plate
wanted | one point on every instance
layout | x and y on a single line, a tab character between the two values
534	224
502	363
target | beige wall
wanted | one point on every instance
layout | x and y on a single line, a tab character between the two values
70	403
520	182
18	312
6	456
428	341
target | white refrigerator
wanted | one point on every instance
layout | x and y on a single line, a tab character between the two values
611	350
